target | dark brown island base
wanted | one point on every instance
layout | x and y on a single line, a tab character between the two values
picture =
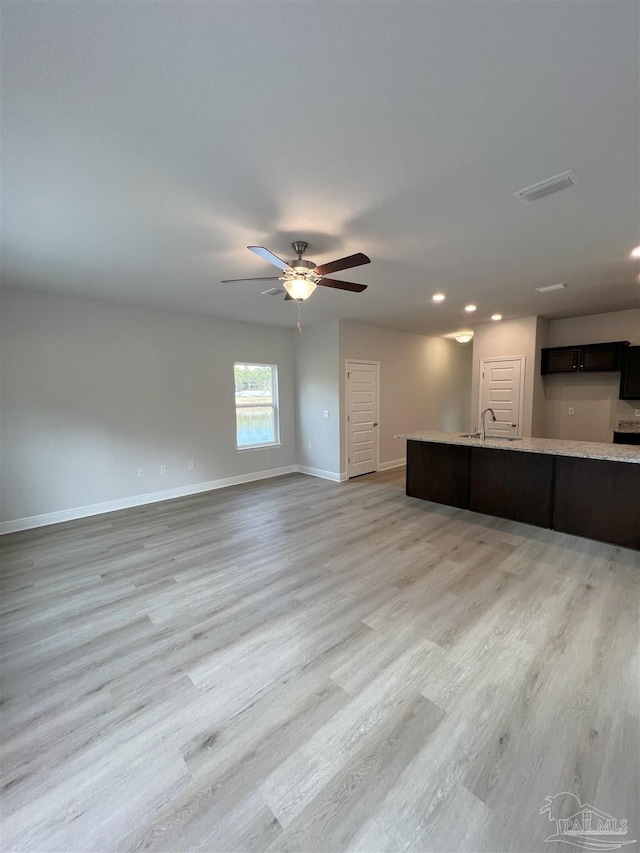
582	488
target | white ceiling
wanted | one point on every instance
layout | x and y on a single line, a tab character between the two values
147	144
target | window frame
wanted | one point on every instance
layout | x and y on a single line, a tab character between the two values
274	406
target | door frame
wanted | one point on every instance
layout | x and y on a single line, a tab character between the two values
347	412
486	361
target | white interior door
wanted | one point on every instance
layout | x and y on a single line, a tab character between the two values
362	389
501	389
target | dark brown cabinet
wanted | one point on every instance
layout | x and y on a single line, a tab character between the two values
583	358
594	498
559	360
626	437
598	499
630	374
510	484
438	472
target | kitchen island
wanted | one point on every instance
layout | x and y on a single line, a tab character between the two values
578	487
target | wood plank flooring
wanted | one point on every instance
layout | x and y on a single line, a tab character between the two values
299	665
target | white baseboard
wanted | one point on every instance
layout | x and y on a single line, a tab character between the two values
140	500
325	475
76	513
395	463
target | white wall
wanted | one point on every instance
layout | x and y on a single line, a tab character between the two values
524	336
538	406
424	383
596	328
93	390
317	391
593	397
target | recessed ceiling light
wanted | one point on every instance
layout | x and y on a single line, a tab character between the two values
496	316
464	337
636	252
470	308
438	297
560	286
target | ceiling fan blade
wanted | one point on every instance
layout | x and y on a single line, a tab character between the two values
269	256
343	264
264	278
342	285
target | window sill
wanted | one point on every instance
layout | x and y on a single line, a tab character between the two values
264	446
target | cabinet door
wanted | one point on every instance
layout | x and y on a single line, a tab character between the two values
559	360
438	472
626	437
511	484
600	358
630	378
598	499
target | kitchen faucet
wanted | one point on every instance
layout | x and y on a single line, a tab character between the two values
483	430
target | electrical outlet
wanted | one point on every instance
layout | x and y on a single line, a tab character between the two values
163	469
571	410
309	445
190	465
325	413
140	472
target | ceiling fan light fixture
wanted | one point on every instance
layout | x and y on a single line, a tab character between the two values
464	337
300	277
299	288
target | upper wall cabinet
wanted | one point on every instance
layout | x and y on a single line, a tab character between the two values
630	375
560	360
583	358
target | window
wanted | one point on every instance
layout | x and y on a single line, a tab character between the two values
256	405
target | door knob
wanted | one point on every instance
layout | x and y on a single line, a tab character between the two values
376	423
514	425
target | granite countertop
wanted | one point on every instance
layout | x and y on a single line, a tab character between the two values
628	426
550	446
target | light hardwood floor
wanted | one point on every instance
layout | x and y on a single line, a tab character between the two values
299	665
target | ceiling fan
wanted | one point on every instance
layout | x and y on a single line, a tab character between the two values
300	278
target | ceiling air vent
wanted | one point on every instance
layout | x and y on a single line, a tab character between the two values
273	291
551	185
549	287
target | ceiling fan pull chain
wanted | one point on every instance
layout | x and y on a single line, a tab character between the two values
299	314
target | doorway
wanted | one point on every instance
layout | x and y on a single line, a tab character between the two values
501	389
362	384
